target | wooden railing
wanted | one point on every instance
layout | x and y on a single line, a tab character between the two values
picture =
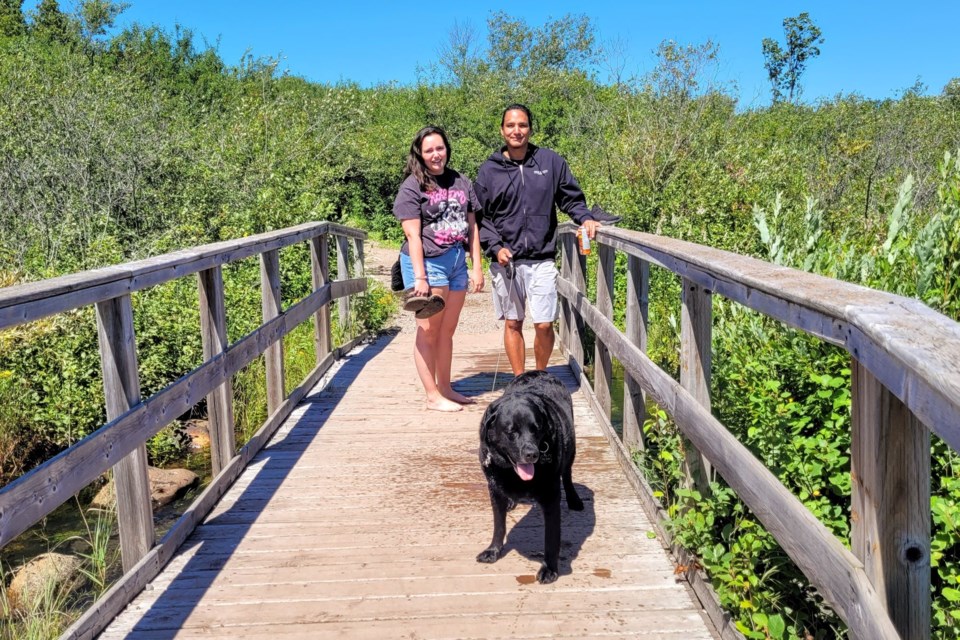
120	444
905	362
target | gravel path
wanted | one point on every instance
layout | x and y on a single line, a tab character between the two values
476	317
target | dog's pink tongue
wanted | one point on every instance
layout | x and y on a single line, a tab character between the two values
525	471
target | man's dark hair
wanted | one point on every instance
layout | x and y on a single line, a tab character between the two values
516	106
415	164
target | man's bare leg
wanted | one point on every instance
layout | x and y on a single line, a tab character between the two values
543	343
514	345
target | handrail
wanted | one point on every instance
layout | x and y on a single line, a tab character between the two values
906	370
28	302
120	443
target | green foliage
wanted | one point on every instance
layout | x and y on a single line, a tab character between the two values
142	142
786	65
52	24
12	21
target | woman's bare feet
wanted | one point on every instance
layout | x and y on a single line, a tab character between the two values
458	397
442	404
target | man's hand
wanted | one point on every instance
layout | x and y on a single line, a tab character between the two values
504	256
591	226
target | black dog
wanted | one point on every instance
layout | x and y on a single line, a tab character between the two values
527	447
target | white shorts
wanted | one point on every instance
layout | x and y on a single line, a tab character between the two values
534	285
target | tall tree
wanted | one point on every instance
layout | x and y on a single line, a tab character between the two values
53	24
12	22
786	65
97	16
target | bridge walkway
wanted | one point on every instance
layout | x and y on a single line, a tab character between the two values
363	516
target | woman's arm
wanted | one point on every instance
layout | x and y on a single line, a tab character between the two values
411	229
476	260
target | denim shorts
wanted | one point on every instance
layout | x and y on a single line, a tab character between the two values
446	270
533	285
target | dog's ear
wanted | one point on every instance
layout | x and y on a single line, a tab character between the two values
488	418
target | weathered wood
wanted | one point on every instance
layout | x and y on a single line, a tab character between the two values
565	312
28	302
272	308
830	567
213	333
911	349
634	400
358	271
343	272
34	495
603	364
699	582
121	390
320	273
294	549
890	507
575	270
126	588
696	331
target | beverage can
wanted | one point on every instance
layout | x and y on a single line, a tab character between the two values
584	241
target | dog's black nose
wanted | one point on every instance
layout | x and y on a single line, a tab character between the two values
529	453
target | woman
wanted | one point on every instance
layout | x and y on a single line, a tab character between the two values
436	207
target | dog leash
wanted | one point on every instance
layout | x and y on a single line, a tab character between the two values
509	271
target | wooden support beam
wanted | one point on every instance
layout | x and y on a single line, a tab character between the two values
343	273
272	307
358	268
574	269
695	358
634	398
121	390
890	528
320	272
603	363
213	333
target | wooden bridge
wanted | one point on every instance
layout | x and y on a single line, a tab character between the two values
355	513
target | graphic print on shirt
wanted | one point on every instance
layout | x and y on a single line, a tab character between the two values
450	226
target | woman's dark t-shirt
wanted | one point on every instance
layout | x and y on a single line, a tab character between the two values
442	212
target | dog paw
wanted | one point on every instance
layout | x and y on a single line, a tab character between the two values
489	556
546	575
574	502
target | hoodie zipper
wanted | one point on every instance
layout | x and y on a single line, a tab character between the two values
525	236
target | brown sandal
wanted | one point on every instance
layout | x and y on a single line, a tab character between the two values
433	306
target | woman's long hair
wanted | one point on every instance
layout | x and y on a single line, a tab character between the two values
416	167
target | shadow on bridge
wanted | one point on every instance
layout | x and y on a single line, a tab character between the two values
167	615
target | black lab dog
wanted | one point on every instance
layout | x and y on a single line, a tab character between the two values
527	447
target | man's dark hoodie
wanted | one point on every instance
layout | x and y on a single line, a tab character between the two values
519	203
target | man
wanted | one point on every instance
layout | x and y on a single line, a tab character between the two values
520	188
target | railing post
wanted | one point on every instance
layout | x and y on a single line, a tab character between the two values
634	398
565	310
695	343
272	307
320	271
121	390
213	332
343	273
603	363
890	528
358	270
574	268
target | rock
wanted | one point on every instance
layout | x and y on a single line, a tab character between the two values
36	577
166	485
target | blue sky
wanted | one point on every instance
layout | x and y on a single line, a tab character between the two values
874	49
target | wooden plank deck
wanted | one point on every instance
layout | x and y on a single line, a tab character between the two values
363	518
